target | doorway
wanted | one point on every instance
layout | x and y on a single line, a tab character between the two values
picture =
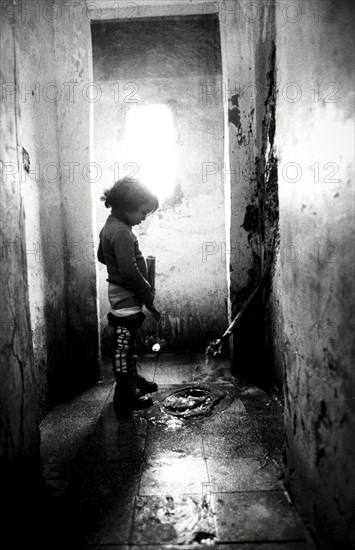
156	122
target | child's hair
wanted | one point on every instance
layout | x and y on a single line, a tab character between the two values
128	194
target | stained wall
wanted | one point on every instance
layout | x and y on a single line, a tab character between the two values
40	173
313	285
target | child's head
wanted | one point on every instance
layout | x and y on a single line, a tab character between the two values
132	198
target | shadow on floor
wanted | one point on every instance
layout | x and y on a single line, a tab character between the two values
153	480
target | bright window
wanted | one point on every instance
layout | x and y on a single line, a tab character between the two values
150	142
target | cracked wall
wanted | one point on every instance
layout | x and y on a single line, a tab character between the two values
250	72
19	433
56	197
312	303
266	162
42	203
42	357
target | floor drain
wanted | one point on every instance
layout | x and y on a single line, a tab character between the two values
202	537
190	401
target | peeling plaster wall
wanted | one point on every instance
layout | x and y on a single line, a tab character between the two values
42	200
48	350
74	110
248	84
178	69
267	184
19	434
313	286
238	41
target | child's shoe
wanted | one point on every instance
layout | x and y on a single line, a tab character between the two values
143	384
128	396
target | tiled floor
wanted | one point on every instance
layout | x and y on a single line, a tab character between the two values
151	480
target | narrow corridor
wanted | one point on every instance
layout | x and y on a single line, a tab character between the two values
153	480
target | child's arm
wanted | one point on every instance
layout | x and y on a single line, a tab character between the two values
155	312
124	249
100	254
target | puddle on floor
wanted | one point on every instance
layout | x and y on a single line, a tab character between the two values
192	402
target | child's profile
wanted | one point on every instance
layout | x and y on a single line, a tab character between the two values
128	287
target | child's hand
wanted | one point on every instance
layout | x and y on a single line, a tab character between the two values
155	313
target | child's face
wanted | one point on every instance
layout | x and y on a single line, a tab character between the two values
137	216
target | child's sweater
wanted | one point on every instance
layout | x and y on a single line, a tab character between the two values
126	266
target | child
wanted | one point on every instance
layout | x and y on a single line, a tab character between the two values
128	288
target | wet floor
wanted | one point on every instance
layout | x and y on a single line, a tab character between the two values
157	479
